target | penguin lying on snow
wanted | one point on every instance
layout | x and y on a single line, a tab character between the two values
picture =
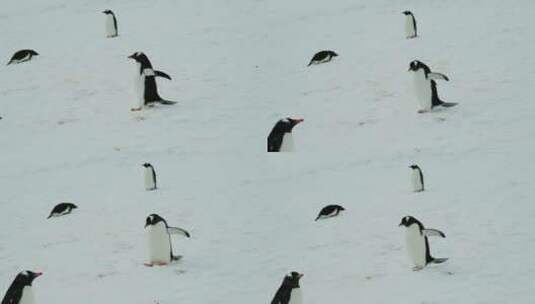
410	25
159	240
147	90
62	209
426	87
417	178
290	291
329	211
417	244
322	57
111	24
280	138
20	291
22	56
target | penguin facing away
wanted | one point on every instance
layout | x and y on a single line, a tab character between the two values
426	88
417	243
417	178
22	56
322	57
62	209
145	82
160	249
20	291
290	291
280	138
410	25
329	211
111	24
150	177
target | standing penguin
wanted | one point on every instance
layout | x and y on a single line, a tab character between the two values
322	57
62	209
329	211
417	179
150	177
111	24
426	88
289	292
417	243
145	81
280	139
20	291
160	249
22	56
410	25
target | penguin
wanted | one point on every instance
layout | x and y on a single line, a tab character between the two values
111	24
410	25
290	291
22	56
160	249
62	209
150	177
280	139
417	178
146	82
20	291
329	211
426	87
322	57
417	243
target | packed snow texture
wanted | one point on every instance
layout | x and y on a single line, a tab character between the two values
238	66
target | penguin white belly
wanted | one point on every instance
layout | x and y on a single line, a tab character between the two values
159	244
27	296
296	296
416	181
139	85
422	88
409	27
149	180
287	143
415	243
110	27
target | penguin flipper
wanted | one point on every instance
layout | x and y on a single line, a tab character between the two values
433	232
176	230
436	76
162	74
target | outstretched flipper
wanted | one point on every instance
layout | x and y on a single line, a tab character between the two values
162	74
436	76
176	230
433	232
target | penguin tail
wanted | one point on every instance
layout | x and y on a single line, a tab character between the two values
438	260
448	104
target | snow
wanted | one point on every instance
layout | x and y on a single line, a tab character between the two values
239	66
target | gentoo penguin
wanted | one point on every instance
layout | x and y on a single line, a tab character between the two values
147	90
280	139
417	243
111	24
22	56
62	209
20	291
410	25
160	249
329	211
426	87
289	292
322	57
150	177
417	178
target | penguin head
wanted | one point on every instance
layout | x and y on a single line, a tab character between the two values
292	279
142	59
25	278
147	165
333	54
33	53
407	13
408	220
417	65
414	167
108	12
154	219
287	124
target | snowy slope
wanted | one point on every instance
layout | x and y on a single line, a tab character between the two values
238	66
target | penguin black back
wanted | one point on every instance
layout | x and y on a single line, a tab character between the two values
14	292
62	209
22	55
276	135
283	294
330	210
322	56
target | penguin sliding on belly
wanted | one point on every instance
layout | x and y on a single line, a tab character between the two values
145	80
160	249
426	87
20	291
417	243
22	56
280	139
290	291
322	57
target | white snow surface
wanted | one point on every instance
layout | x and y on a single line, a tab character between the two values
238	66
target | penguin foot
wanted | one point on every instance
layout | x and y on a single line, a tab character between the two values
148	264
160	263
417	268
136	109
